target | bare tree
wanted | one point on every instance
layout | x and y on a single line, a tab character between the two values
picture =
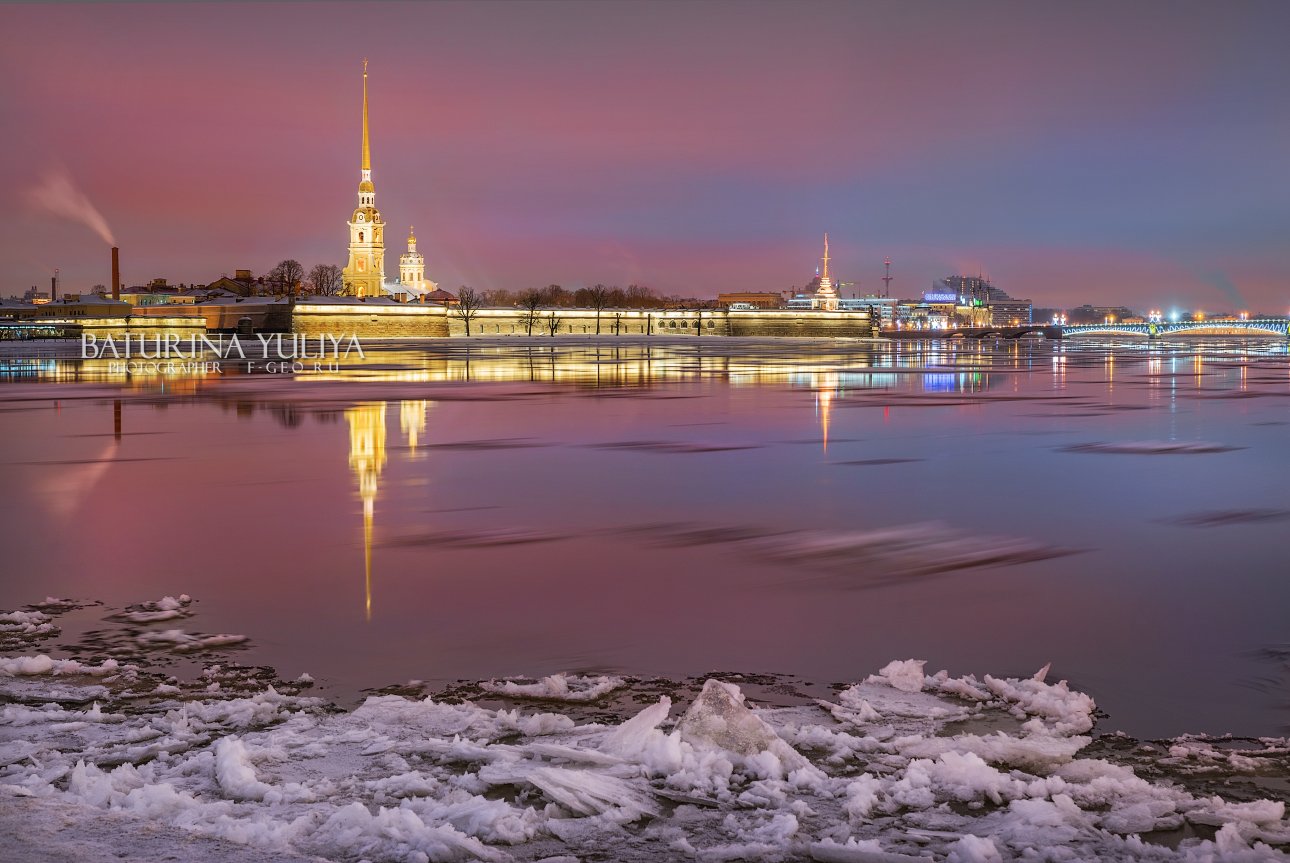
326	280
285	277
639	297
554	295
553	323
598	298
530	302
468	305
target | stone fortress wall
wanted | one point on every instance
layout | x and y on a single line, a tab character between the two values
413	321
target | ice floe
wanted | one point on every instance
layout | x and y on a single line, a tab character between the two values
186	642
557	687
166	608
868	556
1151	447
1226	517
902	765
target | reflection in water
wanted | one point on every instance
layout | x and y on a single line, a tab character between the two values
412	421
825	385
615	443
949	366
366	459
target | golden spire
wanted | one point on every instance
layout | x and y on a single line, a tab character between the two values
823	275
412	239
367	148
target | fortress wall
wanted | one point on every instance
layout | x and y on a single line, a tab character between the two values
377	321
802	324
578	322
415	321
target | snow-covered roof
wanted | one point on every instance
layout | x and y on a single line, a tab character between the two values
234	299
349	301
87	297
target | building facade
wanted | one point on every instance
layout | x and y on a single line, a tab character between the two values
755	299
412	271
1010	313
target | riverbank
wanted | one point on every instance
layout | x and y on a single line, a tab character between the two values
156	733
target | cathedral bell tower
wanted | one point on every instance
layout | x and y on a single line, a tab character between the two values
365	272
412	266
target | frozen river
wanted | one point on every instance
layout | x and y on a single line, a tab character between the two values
673	507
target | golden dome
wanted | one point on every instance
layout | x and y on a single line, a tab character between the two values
366	186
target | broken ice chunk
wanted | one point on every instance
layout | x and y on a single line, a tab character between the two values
903	674
718	717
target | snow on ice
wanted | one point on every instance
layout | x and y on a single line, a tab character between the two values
900	766
558	687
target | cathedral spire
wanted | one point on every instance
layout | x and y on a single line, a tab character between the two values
365	272
826	296
367	147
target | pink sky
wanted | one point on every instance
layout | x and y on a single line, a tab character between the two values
1093	152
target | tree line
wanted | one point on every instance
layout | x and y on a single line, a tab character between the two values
592	297
289	277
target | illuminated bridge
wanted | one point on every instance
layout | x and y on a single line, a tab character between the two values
1218	327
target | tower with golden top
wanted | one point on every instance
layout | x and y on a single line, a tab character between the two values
412	269
365	272
826	296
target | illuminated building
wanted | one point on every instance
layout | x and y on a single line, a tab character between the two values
826	296
412	270
1087	314
973	301
755	299
1011	313
364	275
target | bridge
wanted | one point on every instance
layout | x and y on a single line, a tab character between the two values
1050	331
1153	330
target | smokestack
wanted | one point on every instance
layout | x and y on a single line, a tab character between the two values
53	289
116	274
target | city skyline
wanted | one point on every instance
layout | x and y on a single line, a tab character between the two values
1111	156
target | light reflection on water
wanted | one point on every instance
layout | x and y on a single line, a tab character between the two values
523	519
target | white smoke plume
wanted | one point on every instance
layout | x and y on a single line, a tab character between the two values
58	195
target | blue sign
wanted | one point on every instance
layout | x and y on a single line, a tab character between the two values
940	298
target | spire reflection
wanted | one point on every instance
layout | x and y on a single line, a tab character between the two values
825	384
366	459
